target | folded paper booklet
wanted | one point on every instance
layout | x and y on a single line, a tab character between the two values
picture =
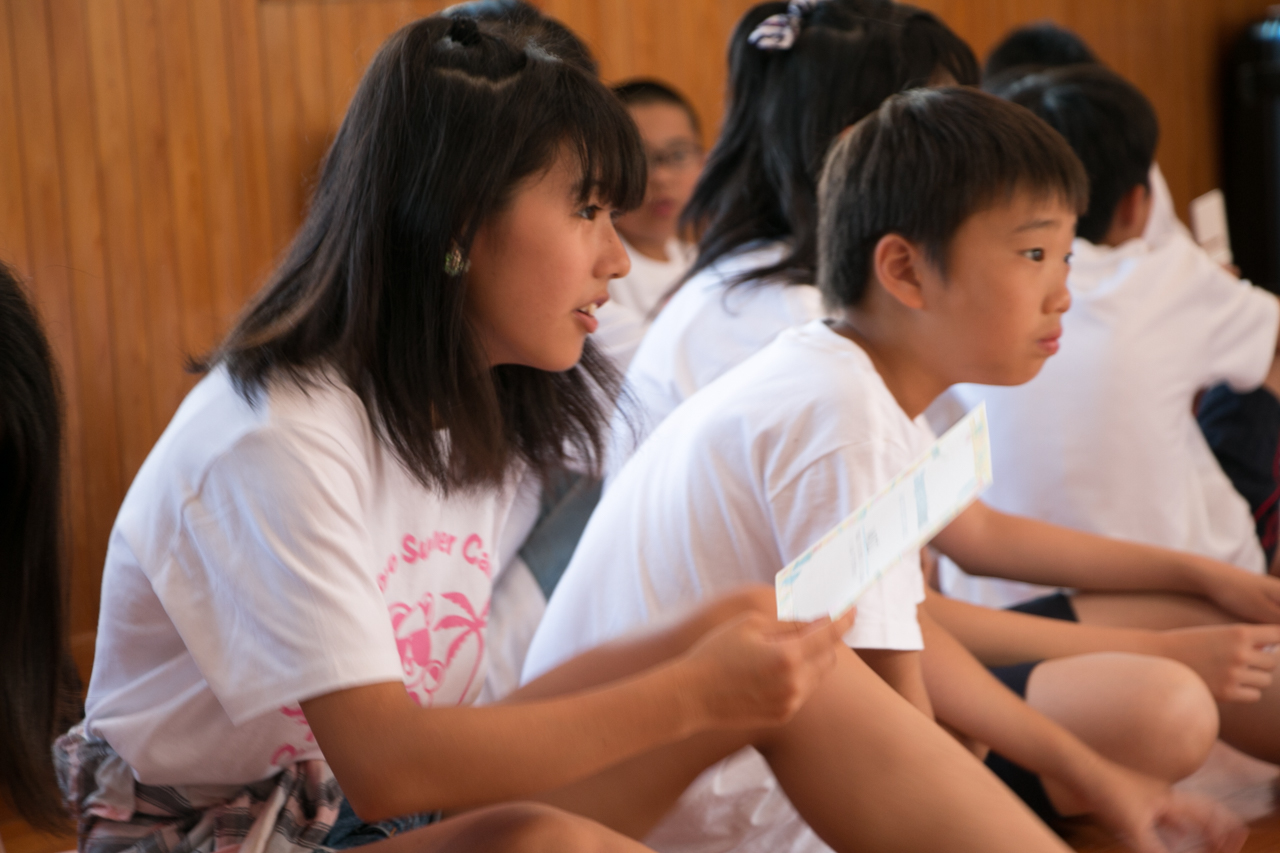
829	577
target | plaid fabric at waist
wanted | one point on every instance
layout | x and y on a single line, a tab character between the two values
290	812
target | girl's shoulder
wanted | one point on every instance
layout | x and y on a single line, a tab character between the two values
220	424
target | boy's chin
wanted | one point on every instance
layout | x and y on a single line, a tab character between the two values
1010	375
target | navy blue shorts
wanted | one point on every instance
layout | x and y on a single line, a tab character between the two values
1021	781
350	831
1243	431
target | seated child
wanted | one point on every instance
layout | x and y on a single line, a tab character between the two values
1104	439
668	127
294	603
946	223
755	204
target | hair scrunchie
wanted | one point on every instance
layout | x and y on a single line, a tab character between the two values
779	32
464	31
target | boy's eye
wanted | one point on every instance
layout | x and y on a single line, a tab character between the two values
589	212
1068	258
1034	254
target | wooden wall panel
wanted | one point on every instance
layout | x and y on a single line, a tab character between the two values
157	155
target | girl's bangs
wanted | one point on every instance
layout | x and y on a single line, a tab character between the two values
599	130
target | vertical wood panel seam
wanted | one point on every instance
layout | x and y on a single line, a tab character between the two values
28	273
268	139
171	237
202	145
122	417
74	355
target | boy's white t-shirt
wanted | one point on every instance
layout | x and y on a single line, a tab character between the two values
736	483
1163	222
703	331
1104	438
268	554
625	318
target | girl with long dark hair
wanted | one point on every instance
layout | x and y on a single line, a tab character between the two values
755	205
296	591
34	694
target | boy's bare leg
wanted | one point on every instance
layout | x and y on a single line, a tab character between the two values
510	828
1151	714
1252	727
861	765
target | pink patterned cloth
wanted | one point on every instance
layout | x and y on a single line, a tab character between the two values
290	812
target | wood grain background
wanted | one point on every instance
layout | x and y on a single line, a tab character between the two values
155	156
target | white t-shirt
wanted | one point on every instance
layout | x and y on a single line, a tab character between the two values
1104	439
265	555
627	315
703	331
1163	222
736	483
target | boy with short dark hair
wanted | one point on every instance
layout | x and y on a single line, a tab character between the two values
946	222
1104	439
1043	44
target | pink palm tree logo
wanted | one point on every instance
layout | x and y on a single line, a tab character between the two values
472	625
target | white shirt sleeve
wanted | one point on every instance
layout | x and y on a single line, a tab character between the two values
818	499
270	578
1238	322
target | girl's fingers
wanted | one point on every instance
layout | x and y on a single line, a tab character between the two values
1264	636
1244	695
822	635
1146	840
1221	830
1253	677
1261	660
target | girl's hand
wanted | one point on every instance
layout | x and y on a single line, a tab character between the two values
1235	661
755	671
1246	596
1140	810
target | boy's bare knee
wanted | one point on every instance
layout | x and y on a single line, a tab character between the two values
537	828
1181	719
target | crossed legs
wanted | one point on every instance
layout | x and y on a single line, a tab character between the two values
1252	727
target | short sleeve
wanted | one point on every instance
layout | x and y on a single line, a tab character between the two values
1239	323
818	499
269	579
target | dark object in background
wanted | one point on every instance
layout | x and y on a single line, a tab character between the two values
1251	151
1242	430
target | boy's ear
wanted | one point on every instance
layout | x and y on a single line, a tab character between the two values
897	264
1130	217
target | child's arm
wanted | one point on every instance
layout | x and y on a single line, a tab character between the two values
1230	658
986	542
392	757
967	697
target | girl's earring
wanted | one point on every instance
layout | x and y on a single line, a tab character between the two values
454	264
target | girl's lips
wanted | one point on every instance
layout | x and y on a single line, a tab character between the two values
1050	344
587	313
587	320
